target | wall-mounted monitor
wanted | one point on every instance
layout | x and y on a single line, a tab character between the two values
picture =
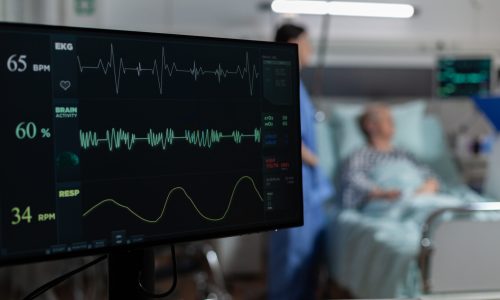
463	76
115	140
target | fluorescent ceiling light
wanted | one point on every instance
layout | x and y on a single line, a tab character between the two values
370	9
300	7
344	8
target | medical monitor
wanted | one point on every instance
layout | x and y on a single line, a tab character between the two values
463	76
122	140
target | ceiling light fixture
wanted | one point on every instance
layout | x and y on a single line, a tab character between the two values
300	7
344	8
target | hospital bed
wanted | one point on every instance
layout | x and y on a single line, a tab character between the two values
456	249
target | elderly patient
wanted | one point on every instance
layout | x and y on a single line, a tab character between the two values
380	172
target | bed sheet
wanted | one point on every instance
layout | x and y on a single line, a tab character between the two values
373	253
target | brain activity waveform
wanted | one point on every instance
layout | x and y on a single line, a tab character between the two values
159	69
184	192
119	138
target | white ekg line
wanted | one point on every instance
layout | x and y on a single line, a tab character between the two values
195	71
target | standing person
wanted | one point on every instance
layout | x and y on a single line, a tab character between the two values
294	254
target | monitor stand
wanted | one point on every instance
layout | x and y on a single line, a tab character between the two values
131	275
125	269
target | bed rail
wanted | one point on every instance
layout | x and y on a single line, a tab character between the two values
426	243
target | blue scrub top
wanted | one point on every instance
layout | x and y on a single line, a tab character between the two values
316	186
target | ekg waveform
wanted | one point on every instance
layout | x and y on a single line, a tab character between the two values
159	69
119	138
183	191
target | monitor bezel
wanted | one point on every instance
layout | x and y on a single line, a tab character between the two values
51	29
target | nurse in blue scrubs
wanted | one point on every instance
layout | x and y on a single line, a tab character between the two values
294	254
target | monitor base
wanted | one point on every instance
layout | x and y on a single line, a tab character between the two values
125	269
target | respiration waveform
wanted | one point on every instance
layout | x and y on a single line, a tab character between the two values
161	68
118	138
183	191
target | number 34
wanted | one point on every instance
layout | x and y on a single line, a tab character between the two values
19	217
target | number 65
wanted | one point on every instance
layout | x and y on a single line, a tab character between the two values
18	64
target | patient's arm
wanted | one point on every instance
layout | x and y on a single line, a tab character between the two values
431	186
308	156
389	195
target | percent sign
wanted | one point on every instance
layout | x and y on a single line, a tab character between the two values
45	133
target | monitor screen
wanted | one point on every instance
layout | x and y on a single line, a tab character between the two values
118	140
463	77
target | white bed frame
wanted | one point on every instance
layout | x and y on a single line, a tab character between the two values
461	255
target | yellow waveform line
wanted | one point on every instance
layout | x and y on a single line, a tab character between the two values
178	188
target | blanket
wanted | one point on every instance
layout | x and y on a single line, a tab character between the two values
373	251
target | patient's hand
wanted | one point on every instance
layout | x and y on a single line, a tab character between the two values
390	195
431	186
308	156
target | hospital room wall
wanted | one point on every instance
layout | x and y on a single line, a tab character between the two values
444	26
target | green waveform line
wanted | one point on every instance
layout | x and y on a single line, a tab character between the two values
118	138
181	189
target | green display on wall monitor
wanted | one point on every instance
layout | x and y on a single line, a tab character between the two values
463	77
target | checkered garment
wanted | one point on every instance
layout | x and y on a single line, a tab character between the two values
355	182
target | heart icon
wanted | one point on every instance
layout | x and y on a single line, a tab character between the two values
65	84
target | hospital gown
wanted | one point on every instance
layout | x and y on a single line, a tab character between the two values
355	178
294	253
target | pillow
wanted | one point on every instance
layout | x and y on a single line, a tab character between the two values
408	119
326	149
439	157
